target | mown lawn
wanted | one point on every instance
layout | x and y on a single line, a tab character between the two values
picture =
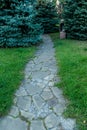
12	63
71	57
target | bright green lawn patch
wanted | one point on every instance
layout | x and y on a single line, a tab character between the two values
72	59
12	62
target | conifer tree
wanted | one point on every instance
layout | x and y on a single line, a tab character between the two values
47	15
18	26
75	15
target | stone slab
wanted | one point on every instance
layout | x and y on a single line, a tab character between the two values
9	123
59	109
21	92
47	94
33	89
14	111
52	102
38	101
37	125
24	103
51	121
68	124
27	115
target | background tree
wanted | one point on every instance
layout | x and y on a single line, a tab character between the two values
75	16
47	15
18	27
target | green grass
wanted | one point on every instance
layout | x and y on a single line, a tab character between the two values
12	63
71	57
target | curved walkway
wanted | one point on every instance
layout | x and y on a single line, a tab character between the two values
38	104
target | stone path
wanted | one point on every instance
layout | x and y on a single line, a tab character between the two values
38	104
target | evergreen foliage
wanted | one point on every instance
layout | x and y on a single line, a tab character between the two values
47	16
75	16
18	27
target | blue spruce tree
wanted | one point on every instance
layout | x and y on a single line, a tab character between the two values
18	27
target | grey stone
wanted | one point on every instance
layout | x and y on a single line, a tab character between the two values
21	92
45	69
42	112
49	77
41	85
57	128
29	116
38	80
62	100
28	77
46	83
56	91
59	95
37	125
33	89
24	103
47	94
59	109
51	121
38	101
15	100
51	84
37	67
52	102
31	62
14	111
39	74
9	123
68	124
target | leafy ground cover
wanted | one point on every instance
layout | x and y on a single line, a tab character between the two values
72	59
12	62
